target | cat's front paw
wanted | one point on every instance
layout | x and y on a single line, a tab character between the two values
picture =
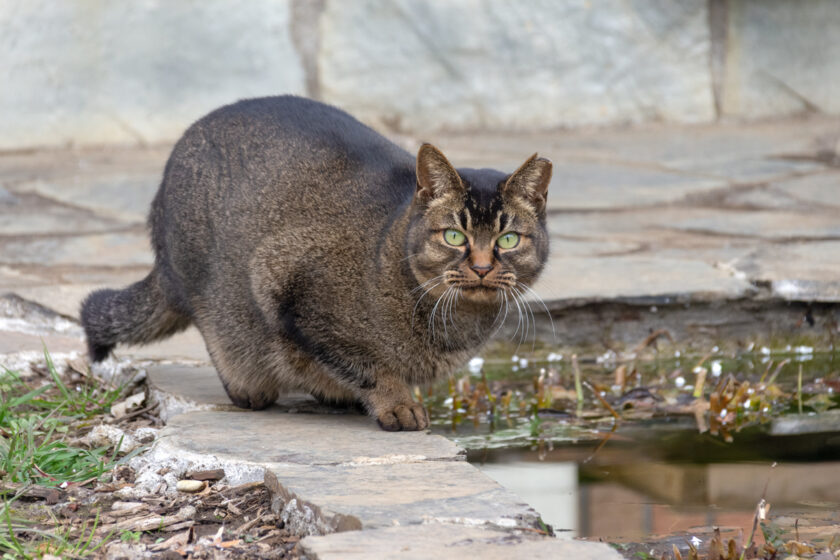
406	417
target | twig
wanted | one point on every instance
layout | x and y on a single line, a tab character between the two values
777	371
602	444
603	401
700	383
245	527
766	371
651	338
578	387
42	473
758	509
134	414
799	391
702	360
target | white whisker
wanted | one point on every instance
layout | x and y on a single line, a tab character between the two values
501	297
434	310
427	282
410	257
529	316
519	318
544	306
414	311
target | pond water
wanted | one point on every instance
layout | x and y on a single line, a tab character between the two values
620	454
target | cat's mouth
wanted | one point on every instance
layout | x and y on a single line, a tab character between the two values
480	291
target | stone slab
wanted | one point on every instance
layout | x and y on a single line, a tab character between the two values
692	149
275	436
791	425
125	248
116	183
618	63
387	495
781	58
60	297
637	276
13	342
750	170
359	474
187	345
780	224
445	542
815	190
138	73
45	216
195	384
803	271
180	387
603	185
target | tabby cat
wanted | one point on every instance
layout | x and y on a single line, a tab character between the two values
313	254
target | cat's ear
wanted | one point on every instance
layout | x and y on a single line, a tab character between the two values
435	175
530	182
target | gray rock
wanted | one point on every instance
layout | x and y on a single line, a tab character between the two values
45	216
804	271
781	58
385	495
445	542
180	387
637	276
819	191
779	224
191	385
606	185
185	346
751	170
819	423
125	248
343	471
531	66
136	72
274	436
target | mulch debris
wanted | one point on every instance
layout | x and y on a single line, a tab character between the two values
221	521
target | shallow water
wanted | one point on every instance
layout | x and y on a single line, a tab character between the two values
522	401
651	473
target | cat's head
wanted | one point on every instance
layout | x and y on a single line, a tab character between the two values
479	230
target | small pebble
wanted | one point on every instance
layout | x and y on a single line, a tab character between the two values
191	486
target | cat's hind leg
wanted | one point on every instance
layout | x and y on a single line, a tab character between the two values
243	370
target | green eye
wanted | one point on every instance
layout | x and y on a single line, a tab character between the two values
454	237
508	240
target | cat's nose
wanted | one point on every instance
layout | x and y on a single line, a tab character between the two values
482	271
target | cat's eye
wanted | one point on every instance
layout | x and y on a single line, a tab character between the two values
454	237
508	240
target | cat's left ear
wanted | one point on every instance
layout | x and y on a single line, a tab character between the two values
530	182
435	175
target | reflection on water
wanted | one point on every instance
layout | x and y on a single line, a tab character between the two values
625	461
550	488
623	499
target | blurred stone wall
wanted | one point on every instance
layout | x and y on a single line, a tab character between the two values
97	72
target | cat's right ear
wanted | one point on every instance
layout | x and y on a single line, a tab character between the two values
435	175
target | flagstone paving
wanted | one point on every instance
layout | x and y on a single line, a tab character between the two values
405	492
696	212
721	214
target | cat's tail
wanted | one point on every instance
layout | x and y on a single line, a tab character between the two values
138	314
